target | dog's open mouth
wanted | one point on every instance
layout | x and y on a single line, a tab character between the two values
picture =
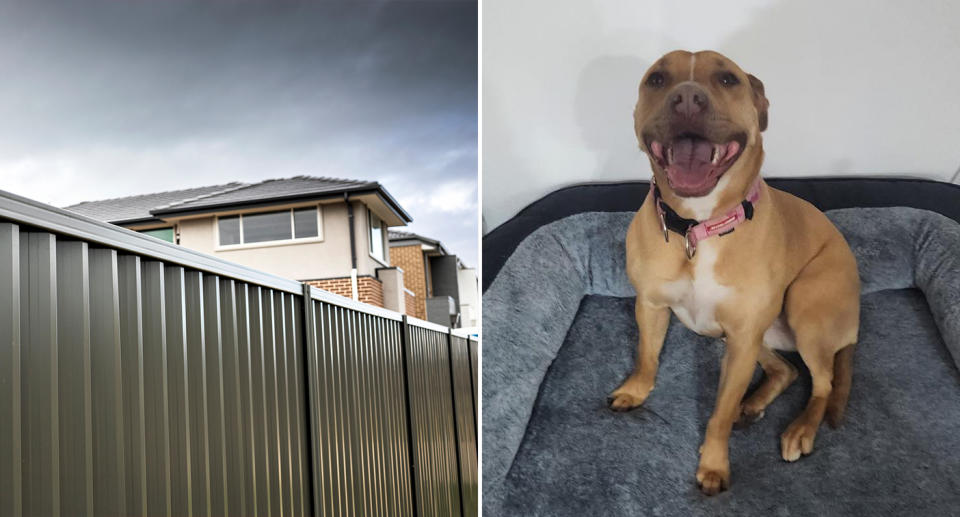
694	164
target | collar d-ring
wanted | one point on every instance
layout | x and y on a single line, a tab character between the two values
663	223
689	246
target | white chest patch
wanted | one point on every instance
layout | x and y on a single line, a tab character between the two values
694	298
702	207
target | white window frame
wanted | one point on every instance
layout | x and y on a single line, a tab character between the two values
383	235
265	244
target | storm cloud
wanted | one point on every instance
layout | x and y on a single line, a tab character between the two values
104	100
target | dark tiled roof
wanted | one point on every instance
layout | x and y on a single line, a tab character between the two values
397	236
150	206
134	208
273	189
394	235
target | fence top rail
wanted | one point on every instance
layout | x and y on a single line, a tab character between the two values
462	334
28	212
426	325
347	303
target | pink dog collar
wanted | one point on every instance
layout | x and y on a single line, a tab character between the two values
694	231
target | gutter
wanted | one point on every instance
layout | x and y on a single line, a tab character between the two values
417	239
353	248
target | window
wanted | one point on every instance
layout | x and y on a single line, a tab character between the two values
376	237
164	234
304	223
267	226
229	228
281	225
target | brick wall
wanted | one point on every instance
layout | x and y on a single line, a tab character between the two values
339	286
369	289
410	260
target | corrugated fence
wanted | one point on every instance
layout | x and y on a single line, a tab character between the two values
142	378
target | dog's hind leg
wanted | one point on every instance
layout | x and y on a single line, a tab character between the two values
778	374
799	436
822	308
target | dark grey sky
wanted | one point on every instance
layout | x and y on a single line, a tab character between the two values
111	99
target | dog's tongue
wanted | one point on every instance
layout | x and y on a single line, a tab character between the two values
688	151
691	165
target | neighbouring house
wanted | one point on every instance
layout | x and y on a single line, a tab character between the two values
440	288
330	233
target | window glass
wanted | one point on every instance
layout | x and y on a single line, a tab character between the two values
305	222
266	226
229	230
164	234
376	236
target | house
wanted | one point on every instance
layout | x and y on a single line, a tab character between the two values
440	287
331	233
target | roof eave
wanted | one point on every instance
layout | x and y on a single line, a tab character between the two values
394	205
369	188
419	240
136	221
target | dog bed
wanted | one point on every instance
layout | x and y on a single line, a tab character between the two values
559	336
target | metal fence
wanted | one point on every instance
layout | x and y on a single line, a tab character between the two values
142	378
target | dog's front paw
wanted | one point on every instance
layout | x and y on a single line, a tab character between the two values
712	481
628	396
713	473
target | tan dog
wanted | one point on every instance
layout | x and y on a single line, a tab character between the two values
784	279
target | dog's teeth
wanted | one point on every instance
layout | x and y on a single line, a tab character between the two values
715	155
656	149
669	155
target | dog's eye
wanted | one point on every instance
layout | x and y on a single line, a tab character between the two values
656	80
728	79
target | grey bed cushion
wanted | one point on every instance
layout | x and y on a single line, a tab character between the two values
550	446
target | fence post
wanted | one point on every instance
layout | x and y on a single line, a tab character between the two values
309	373
456	426
404	345
473	398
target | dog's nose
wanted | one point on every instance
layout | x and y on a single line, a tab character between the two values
689	100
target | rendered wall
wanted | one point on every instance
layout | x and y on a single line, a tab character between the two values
560	83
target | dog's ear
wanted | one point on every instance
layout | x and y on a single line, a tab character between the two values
759	100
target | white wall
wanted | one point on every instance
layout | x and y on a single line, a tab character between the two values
468	287
856	87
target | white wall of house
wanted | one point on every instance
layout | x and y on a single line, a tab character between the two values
328	258
468	285
855	87
366	263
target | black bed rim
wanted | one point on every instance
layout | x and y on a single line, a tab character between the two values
826	193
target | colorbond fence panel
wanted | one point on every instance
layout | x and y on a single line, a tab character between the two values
358	419
431	409
110	341
462	373
138	377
